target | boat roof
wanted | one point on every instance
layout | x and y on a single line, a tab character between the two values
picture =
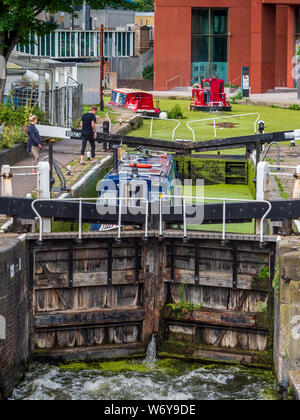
126	91
161	168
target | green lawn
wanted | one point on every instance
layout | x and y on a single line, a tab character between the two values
112	114
275	119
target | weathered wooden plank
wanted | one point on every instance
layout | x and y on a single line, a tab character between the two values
87	298
204	353
104	316
218	279
228	319
84	279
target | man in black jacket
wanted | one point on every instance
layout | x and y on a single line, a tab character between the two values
89	134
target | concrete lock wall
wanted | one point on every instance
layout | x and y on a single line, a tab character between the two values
14	313
287	310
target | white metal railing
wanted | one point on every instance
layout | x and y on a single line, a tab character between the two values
278	167
151	124
221	118
224	200
179	76
6	171
167	119
80	200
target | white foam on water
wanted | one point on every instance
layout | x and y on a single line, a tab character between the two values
43	382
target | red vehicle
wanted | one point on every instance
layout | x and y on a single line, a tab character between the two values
209	96
136	100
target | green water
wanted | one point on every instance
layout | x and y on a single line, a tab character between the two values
241	192
136	380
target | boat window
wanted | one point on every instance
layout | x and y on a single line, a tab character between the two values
113	96
122	99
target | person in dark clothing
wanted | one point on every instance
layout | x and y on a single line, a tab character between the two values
34	144
88	126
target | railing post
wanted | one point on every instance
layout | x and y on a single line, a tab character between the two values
262	190
6	189
151	128
43	186
296	191
215	129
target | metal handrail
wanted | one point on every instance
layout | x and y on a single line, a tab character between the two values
80	199
224	200
269	148
173	78
222	118
3	167
167	119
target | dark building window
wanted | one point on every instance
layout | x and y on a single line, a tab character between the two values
209	43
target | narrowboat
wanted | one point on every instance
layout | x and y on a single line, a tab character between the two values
143	173
136	101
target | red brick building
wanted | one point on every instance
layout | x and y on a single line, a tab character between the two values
202	38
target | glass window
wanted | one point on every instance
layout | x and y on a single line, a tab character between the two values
82	44
87	44
92	53
218	48
124	44
218	22
119	44
68	45
73	41
209	43
63	44
199	48
53	44
200	21
128	43
48	45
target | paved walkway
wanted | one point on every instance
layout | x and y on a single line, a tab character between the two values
279	98
65	152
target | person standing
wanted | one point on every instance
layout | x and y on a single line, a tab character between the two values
89	134
34	144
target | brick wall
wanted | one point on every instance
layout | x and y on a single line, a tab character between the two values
14	312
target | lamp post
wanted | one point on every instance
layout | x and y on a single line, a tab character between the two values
101	67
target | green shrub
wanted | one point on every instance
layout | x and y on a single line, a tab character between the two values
12	135
148	72
175	113
236	97
11	116
15	121
294	107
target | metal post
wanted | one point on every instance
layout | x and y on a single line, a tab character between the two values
43	186
80	221
6	190
296	191
262	171
263	168
215	129
52	180
151	127
101	67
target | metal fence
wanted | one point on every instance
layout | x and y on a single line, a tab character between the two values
63	106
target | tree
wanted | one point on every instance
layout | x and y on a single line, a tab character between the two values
145	5
19	18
